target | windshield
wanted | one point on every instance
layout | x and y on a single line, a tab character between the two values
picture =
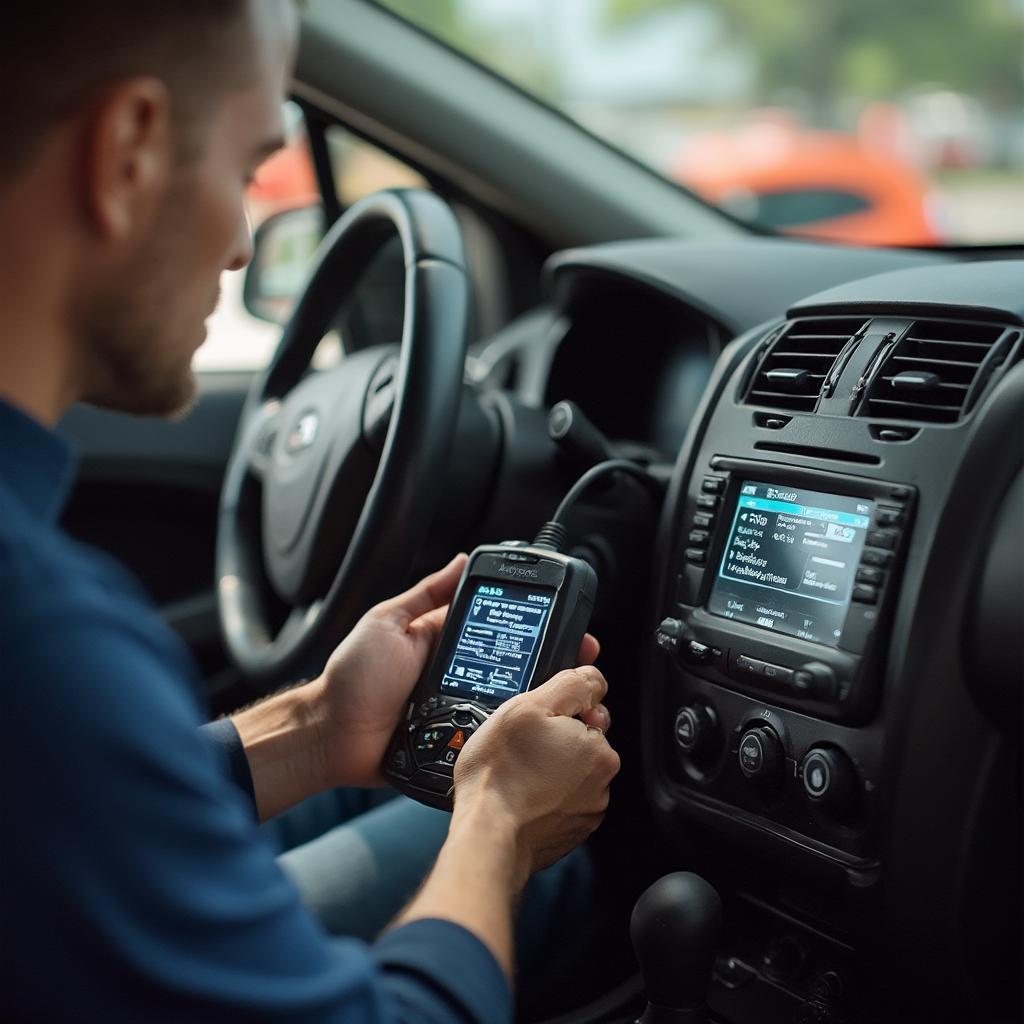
887	122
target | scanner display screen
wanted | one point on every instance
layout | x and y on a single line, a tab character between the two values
498	642
790	560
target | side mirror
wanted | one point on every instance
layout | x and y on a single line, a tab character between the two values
282	248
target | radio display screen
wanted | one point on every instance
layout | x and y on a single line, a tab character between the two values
498	642
790	560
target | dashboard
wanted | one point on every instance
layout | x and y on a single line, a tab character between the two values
830	689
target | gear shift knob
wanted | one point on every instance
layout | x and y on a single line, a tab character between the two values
675	928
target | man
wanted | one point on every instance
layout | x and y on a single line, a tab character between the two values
136	884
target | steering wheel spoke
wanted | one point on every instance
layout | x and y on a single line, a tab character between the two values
298	623
260	438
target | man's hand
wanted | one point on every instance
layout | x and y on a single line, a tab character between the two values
334	730
368	679
363	690
540	768
530	784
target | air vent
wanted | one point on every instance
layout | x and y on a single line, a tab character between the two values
791	373
934	372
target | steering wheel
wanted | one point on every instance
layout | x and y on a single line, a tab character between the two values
333	481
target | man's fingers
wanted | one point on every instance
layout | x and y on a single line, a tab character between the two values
572	691
589	650
429	626
434	591
597	718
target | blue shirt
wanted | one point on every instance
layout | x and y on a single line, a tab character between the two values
136	886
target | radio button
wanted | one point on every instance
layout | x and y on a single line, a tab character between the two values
881	559
888	516
817	680
712	485
864	593
865	574
708	501
670	634
777	673
764	670
749	666
698	652
696	556
882	539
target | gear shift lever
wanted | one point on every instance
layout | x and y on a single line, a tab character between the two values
675	928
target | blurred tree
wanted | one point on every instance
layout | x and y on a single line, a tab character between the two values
867	48
441	18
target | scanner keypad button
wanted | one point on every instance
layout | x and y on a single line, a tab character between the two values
430	741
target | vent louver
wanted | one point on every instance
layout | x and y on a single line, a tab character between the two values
932	374
791	373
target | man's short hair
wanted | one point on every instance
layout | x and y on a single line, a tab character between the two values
54	55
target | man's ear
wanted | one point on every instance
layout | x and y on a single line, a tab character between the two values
129	156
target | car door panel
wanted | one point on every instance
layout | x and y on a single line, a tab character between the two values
147	491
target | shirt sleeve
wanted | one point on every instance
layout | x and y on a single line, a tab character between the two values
224	738
448	961
142	888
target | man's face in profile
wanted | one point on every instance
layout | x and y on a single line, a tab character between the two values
139	327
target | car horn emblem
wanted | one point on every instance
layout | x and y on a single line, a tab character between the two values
303	434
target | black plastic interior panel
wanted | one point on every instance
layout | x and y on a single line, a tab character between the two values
990	289
188	452
164	535
635	361
995	640
738	284
147	493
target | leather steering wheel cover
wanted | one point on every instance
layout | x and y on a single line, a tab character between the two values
403	498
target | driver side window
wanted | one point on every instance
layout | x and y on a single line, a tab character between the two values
237	340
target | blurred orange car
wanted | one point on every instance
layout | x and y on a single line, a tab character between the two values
816	184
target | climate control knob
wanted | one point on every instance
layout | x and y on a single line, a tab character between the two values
830	781
696	731
761	755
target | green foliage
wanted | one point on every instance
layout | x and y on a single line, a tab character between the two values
513	54
867	48
439	17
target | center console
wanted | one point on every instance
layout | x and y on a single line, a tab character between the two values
808	717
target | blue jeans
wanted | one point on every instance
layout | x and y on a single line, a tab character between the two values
358	855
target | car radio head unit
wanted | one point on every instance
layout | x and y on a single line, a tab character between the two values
790	560
785	583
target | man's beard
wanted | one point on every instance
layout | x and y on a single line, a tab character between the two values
132	357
